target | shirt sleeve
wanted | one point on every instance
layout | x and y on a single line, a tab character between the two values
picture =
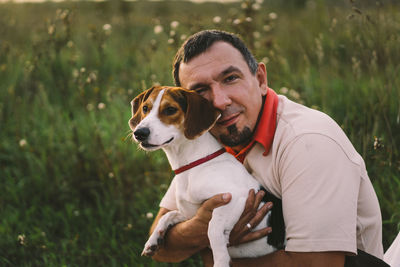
169	199
320	186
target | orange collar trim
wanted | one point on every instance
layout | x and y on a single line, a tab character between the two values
265	129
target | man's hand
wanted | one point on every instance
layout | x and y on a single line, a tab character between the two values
189	237
251	215
204	213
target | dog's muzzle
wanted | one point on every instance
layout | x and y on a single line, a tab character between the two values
142	134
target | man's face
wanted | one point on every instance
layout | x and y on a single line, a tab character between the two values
222	76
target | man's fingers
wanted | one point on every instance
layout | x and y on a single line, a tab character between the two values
251	236
261	214
204	213
258	198
249	202
216	201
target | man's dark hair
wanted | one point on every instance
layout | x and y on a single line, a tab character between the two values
201	41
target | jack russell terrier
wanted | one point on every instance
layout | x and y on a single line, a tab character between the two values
177	120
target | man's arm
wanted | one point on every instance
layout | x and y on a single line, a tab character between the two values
189	237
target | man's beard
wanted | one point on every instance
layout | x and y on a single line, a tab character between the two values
235	138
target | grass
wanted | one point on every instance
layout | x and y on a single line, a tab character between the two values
77	192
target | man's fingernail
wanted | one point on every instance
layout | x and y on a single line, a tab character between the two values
226	196
269	205
262	192
269	230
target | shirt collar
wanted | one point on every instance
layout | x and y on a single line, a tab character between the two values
265	128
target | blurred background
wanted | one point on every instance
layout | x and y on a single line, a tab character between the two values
76	191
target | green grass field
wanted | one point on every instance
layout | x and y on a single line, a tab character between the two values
76	191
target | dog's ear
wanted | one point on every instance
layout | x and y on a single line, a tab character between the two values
136	104
200	114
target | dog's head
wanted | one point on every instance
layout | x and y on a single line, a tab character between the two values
162	115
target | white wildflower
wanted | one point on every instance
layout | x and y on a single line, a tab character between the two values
92	77
149	215
158	29
236	22
107	29
174	24
21	239
256	6
273	15
217	19
22	143
51	29
101	105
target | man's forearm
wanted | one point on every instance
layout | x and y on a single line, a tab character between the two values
181	242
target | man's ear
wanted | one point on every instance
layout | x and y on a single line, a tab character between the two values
136	104
200	114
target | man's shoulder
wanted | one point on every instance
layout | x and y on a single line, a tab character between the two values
295	121
300	119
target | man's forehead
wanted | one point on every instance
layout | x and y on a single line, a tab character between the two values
219	58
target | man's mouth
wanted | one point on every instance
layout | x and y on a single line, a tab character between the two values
229	120
148	145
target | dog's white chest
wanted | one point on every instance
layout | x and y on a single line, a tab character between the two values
186	205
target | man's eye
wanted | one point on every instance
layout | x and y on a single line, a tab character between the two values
168	111
231	78
201	90
145	109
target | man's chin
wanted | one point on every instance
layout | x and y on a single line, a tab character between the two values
232	137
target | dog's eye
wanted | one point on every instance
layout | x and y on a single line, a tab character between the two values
168	111
145	109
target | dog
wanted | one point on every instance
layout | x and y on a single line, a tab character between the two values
177	121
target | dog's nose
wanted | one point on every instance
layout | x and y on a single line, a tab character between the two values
141	134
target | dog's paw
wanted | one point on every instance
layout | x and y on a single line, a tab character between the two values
154	243
149	250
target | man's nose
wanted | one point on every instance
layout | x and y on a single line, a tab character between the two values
220	98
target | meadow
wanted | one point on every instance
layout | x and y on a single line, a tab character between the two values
76	191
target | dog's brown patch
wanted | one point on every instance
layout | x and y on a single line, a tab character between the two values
145	99
171	111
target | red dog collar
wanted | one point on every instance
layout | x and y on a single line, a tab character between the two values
199	161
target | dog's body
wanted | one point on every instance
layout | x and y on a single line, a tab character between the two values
178	121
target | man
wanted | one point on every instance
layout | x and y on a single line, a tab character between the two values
300	155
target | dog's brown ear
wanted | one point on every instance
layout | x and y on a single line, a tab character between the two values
200	114
136	104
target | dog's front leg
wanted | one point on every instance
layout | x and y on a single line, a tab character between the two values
157	237
219	238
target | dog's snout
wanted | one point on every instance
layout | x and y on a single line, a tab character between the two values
142	134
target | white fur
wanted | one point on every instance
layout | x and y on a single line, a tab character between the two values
219	175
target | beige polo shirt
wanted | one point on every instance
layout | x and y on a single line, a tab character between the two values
328	201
